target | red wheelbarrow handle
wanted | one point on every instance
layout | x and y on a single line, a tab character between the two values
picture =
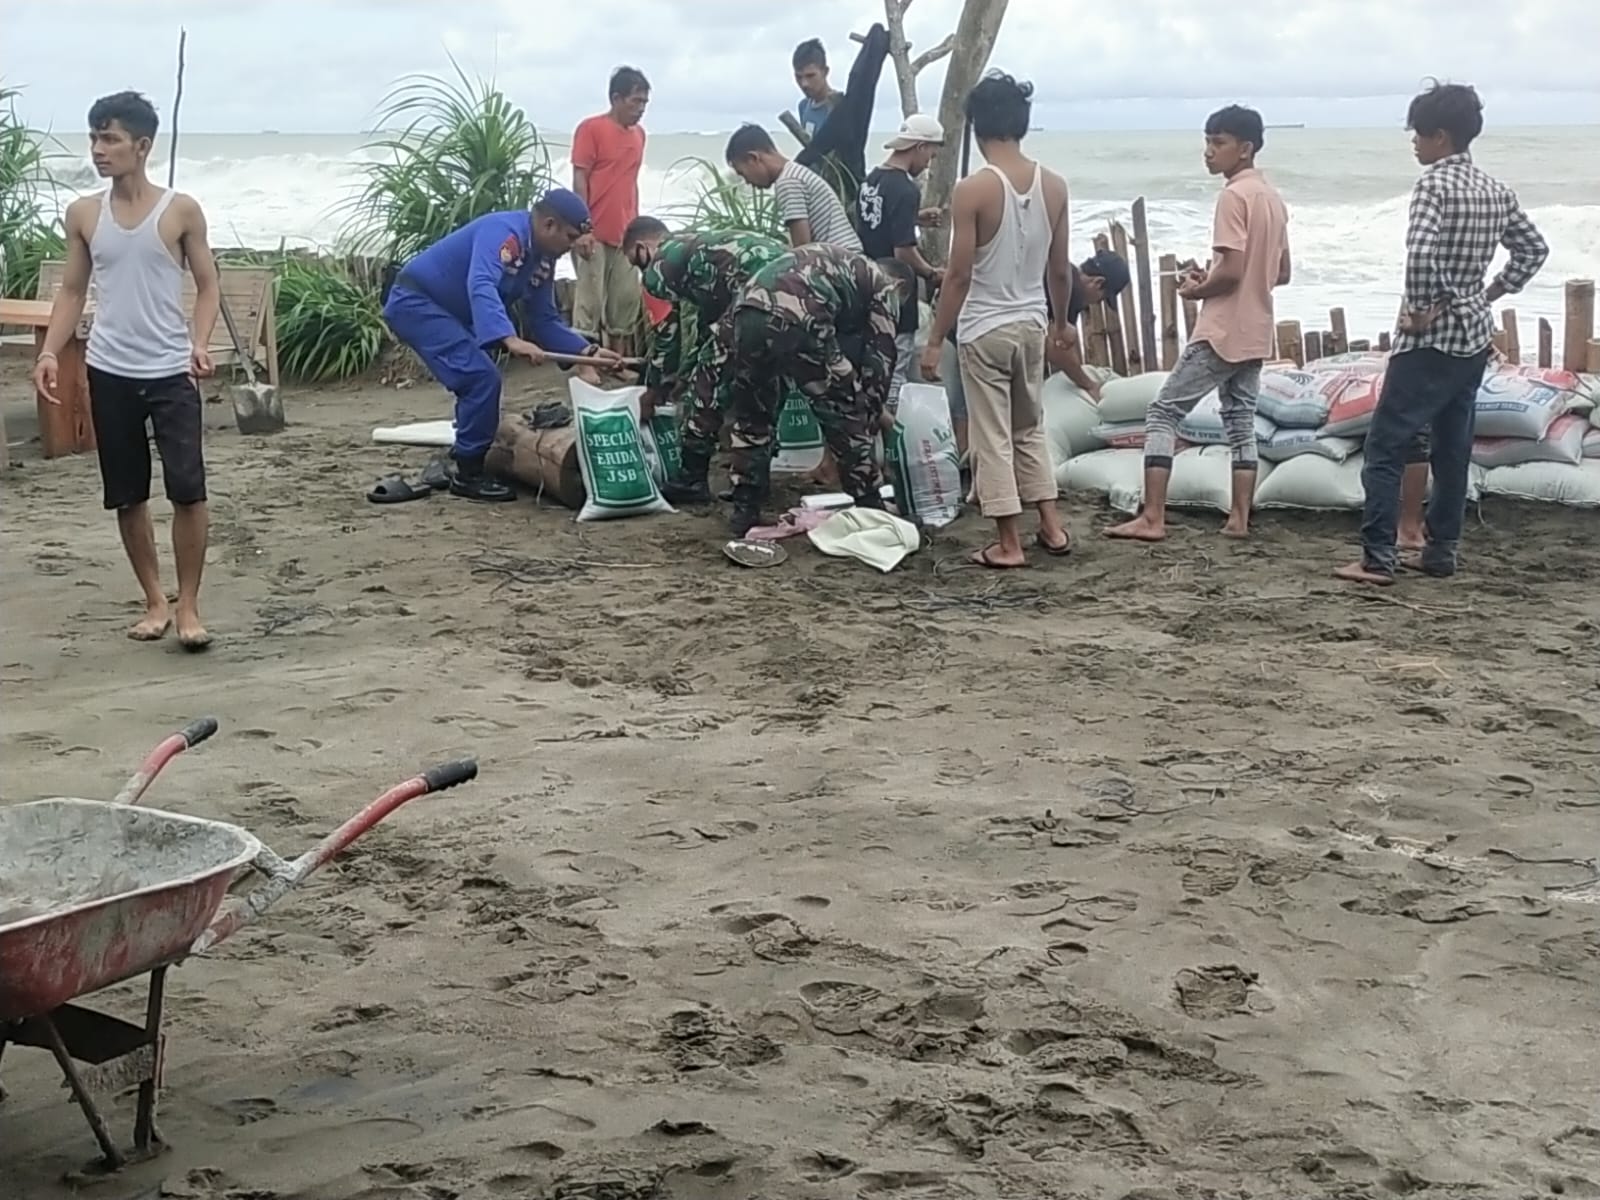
187	738
283	877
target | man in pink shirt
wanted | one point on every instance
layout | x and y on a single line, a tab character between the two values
1235	332
607	153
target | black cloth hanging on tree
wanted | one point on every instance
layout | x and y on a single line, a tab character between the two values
843	136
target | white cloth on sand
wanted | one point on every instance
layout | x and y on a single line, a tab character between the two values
870	535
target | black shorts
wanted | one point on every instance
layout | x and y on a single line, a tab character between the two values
120	406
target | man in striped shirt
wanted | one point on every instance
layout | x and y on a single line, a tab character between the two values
809	209
1459	217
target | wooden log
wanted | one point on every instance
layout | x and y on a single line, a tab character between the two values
1361	345
1149	355
1338	339
1498	340
1169	311
1508	326
1384	342
1579	328
1313	346
544	460
1291	347
1127	307
1116	348
1547	343
1594	356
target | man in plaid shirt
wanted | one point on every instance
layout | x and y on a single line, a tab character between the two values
1459	216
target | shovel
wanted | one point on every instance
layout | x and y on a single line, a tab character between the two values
256	407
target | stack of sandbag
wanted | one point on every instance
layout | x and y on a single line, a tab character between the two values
1070	419
1534	435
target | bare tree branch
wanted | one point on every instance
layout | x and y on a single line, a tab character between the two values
928	57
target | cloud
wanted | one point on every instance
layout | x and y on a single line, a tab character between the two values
319	66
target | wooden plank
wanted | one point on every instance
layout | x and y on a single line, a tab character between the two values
1338	339
1147	307
1291	347
1547	343
1508	326
1313	346
1116	348
1579	327
1169	311
1098	349
1127	308
33	314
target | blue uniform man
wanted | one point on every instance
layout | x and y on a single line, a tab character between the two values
451	305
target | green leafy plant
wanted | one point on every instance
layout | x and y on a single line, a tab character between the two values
329	323
724	201
27	236
462	150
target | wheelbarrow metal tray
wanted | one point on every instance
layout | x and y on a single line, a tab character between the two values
94	893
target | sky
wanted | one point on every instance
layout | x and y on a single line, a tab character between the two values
303	66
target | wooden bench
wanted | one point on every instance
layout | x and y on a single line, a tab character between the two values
64	428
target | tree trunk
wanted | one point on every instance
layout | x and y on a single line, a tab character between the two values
974	40
906	68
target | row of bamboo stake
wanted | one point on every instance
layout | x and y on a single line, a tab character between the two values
1134	337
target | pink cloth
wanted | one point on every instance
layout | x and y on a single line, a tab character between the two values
793	523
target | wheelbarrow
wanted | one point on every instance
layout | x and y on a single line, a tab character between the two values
95	893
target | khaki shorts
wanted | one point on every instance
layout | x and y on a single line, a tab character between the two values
608	303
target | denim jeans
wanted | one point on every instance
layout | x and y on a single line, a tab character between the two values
1423	391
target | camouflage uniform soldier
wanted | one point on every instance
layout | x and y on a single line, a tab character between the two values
701	275
820	319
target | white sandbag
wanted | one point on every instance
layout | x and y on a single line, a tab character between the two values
798	440
1203	424
418	433
1291	443
923	461
1352	399
1202	477
1591	443
1521	402
1594	417
1069	420
1116	474
1558	483
665	440
1127	399
1289	398
617	479
1563	442
1119	435
1312	481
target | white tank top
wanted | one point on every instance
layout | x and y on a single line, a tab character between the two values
1008	270
139	328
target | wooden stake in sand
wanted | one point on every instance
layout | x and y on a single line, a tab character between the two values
1579	324
177	103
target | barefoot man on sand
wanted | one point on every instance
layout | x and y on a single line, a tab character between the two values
134	240
1235	332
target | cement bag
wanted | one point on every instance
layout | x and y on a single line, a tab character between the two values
1512	403
1119	435
797	441
924	464
1558	483
1591	443
1203	478
1290	443
1203	425
1290	398
1117	475
1561	443
611	453
1311	481
1352	399
1069	420
1126	399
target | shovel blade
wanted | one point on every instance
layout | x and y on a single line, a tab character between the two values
256	407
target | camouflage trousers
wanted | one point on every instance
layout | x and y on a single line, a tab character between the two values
756	358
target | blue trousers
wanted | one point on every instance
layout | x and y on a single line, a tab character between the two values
457	362
1424	392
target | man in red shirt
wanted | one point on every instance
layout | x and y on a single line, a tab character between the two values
607	153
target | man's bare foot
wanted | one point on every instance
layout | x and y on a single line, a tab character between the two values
996	559
153	627
192	634
1411	539
1357	572
1140	529
1235	529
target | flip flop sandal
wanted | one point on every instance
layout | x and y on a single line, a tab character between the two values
437	475
1061	551
750	553
984	561
392	489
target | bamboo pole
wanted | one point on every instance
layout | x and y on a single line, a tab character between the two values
1594	356
1338	339
1127	307
1384	343
177	103
1579	328
1115	346
1547	343
1169	311
1508	326
1291	346
1313	346
1147	307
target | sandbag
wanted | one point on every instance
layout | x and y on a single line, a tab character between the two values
1591	443
666	440
1069	420
798	440
1557	483
1312	481
1120	435
1202	477
924	464
1117	475
1301	399
1563	442
1521	402
1203	424
611	453
1361	362
1127	399
1290	443
1352	399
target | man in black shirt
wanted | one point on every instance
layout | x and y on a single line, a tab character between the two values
1102	277
888	208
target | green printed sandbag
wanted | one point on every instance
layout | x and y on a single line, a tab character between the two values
617	478
798	439
921	454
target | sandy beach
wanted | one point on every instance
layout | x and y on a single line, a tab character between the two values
1182	872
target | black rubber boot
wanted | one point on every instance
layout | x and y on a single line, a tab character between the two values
746	509
471	482
690	486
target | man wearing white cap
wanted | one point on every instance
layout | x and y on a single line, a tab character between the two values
888	208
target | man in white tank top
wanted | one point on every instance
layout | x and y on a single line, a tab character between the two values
1008	236
133	241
